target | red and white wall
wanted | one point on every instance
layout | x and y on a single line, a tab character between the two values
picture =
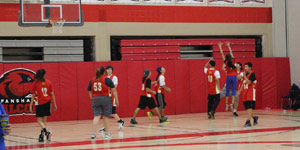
103	21
185	78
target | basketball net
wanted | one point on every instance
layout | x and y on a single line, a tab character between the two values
57	24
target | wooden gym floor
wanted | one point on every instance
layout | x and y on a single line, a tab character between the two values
277	130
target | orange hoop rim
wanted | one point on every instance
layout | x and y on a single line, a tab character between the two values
53	21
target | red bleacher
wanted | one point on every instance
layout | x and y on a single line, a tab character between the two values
164	42
147	50
217	55
169	49
236	48
163	56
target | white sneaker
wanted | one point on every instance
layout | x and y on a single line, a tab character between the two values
93	135
231	107
226	107
107	136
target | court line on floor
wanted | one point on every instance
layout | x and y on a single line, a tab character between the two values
134	139
197	144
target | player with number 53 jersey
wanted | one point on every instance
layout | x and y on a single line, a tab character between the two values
101	101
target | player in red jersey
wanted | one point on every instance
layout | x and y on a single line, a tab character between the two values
213	84
99	90
109	70
231	80
43	92
240	79
248	94
146	98
160	88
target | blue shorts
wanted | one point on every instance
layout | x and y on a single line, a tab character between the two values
2	144
231	81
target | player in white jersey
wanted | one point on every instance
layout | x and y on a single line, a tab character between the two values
109	71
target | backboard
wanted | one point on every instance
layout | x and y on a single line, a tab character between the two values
38	12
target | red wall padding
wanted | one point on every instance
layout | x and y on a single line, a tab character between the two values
185	78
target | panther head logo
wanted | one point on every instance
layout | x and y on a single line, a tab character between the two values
16	83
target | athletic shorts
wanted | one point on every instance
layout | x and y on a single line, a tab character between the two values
114	110
223	94
146	102
102	105
43	110
160	99
249	104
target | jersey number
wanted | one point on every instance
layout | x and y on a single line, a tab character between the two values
97	86
44	91
210	78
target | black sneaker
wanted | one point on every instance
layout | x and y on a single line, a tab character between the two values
121	124
209	116
163	119
48	136
41	137
235	114
255	118
247	124
121	121
133	121
102	130
212	115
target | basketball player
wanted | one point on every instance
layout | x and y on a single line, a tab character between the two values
101	101
239	83
43	92
160	90
231	80
3	131
146	99
212	77
248	94
109	71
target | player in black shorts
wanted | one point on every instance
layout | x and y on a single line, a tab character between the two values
146	99
249	94
161	88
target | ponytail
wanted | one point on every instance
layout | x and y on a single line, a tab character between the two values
158	76
144	78
99	72
40	75
228	62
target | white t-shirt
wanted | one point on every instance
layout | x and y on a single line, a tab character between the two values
114	80
240	73
217	73
161	80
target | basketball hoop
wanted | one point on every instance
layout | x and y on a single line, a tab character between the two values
57	24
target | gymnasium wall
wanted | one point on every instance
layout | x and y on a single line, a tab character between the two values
185	78
104	21
286	31
293	32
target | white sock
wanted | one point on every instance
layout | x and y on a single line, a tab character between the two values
234	110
